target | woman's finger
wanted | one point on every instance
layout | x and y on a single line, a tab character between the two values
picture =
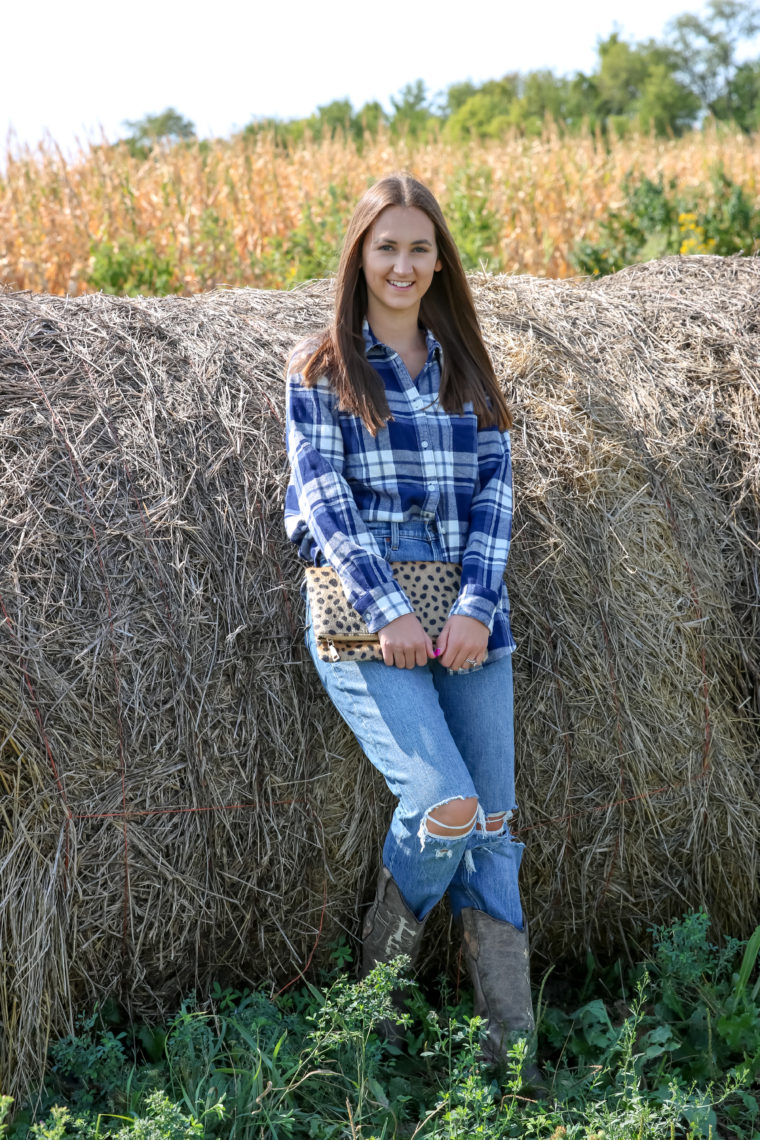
389	649
406	648
457	656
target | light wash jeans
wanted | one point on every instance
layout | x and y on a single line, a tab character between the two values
436	735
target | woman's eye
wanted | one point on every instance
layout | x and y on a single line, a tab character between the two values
387	248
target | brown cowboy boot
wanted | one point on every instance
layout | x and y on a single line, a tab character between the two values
497	957
390	928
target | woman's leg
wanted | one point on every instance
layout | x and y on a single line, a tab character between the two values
397	719
484	890
478	707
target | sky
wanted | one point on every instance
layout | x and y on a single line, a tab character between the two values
79	70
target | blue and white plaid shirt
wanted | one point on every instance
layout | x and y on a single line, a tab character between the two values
424	465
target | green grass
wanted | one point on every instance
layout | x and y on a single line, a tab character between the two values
669	1049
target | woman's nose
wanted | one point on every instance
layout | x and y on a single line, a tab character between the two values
402	264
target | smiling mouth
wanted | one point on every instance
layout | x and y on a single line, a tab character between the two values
401	284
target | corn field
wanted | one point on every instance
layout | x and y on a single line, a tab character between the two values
252	212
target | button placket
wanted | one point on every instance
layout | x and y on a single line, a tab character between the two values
427	453
433	425
427	458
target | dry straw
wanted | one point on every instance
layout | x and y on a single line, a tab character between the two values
179	800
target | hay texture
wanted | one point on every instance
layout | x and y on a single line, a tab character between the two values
179	800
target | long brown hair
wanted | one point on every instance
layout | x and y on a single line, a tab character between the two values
447	310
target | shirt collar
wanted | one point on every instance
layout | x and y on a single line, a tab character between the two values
376	349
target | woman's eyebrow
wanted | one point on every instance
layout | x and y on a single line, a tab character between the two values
392	241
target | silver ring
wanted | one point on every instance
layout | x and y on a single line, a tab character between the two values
471	660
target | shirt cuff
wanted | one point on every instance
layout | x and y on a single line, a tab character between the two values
382	605
476	602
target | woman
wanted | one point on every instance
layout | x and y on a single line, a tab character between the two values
397	436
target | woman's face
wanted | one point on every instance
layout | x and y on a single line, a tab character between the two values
399	258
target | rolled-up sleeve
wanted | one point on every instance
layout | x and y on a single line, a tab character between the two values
490	529
316	453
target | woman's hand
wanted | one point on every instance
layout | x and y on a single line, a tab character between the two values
404	643
462	641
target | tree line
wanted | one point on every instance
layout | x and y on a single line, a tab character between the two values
663	86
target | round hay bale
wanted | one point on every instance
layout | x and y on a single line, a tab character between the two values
181	802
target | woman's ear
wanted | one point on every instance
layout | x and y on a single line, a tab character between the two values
438	265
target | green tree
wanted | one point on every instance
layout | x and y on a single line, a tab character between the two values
705	52
340	116
284	131
665	105
455	95
541	94
412	109
621	75
327	120
634	83
639	81
335	116
582	100
369	117
167	127
741	102
486	113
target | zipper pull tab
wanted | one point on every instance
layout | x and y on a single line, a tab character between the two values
334	655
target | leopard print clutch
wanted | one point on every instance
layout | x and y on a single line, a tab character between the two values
341	635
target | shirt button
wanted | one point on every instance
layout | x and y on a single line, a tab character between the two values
431	487
425	443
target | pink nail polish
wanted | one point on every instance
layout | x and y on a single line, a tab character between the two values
438	652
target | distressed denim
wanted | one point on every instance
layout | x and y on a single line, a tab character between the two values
436	735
